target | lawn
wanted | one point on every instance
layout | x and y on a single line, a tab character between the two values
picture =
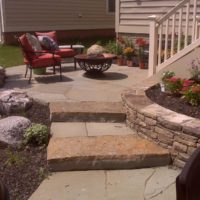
12	56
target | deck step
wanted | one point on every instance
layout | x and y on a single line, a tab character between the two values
87	112
104	152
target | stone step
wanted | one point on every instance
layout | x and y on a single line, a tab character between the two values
87	112
104	152
74	129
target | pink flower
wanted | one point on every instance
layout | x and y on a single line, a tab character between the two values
174	79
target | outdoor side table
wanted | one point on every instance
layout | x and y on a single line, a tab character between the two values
95	64
77	47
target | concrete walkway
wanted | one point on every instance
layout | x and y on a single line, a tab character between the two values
76	86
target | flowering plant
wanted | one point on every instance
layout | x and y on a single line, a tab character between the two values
166	75
192	95
128	52
141	45
174	85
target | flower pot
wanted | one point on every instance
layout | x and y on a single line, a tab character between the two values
162	87
129	63
39	71
120	61
142	65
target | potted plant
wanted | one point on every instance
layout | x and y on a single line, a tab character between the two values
128	52
141	57
39	71
119	53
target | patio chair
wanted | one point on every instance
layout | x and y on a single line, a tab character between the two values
188	182
62	52
38	59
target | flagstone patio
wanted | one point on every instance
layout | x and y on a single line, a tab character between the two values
79	88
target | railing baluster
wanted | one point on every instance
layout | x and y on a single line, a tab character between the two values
166	39
180	29
194	19
160	44
173	34
187	24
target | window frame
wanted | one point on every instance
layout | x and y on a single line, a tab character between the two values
107	7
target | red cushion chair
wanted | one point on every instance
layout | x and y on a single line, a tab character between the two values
34	59
64	52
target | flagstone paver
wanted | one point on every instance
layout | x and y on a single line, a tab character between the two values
104	152
73	129
87	111
110	185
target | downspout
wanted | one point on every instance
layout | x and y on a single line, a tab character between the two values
2	20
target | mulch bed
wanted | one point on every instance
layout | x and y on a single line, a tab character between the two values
174	103
23	169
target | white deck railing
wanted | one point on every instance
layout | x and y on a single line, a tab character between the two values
172	33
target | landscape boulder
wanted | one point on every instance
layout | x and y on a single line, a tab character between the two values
12	130
95	50
13	101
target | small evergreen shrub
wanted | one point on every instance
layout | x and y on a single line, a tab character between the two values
36	134
192	95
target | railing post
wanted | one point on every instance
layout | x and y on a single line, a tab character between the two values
198	27
153	45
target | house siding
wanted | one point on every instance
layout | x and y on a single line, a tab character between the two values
132	15
26	15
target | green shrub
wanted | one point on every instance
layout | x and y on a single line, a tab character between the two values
192	95
36	134
111	47
14	158
166	75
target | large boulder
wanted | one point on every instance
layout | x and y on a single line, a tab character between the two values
12	102
12	130
95	50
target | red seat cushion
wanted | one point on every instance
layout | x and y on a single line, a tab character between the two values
65	53
46	60
51	34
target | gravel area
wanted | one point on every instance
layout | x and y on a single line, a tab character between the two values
22	169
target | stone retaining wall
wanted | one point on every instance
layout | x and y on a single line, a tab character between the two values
176	132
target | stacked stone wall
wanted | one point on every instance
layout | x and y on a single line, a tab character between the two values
176	132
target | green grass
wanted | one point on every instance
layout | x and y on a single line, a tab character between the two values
10	56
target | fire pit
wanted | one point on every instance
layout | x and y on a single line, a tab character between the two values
93	64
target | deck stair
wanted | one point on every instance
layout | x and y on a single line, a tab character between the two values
174	35
101	142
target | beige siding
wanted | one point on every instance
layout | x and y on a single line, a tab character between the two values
31	15
132	15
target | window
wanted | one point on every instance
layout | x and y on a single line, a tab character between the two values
111	6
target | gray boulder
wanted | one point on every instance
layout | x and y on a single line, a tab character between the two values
12	101
12	130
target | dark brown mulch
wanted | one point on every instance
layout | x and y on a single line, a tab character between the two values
23	169
174	103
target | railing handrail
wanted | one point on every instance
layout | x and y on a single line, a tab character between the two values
172	11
